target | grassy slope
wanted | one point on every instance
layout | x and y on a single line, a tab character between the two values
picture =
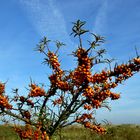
6	133
115	132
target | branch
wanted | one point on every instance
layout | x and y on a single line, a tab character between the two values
18	117
65	114
50	93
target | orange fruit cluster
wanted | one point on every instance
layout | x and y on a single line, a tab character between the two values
62	85
53	78
82	73
57	82
137	61
27	114
119	79
83	118
96	128
53	60
95	97
101	77
96	103
22	99
80	52
114	96
36	135
2	88
124	71
58	101
88	107
110	85
4	102
44	136
56	79
30	133
88	92
36	91
26	133
30	103
101	96
3	99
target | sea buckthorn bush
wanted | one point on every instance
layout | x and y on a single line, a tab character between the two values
73	95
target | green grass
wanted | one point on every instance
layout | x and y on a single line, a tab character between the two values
115	132
6	133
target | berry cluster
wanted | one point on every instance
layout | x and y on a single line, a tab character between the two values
95	103
101	77
101	96
30	103
124	71
84	117
110	85
114	96
83	120
2	88
36	91
4	102
58	101
57	82
88	107
62	85
82	72
27	114
88	92
26	133
53	60
30	133
3	99
93	127
137	61
22	99
56	78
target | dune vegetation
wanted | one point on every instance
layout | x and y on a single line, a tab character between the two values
74	132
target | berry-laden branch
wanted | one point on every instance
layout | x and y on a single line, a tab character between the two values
73	95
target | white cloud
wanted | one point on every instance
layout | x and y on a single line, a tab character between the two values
100	28
48	21
101	17
46	18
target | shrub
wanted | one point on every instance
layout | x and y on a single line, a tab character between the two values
73	95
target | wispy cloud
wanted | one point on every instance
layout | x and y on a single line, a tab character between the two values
48	21
46	18
101	17
100	27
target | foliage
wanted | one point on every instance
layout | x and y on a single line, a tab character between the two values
73	95
74	132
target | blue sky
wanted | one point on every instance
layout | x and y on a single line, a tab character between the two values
24	22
